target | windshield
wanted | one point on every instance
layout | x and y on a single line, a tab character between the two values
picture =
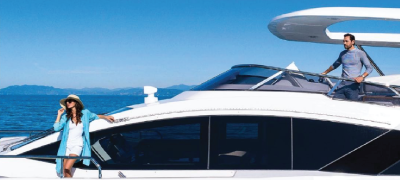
266	78
263	78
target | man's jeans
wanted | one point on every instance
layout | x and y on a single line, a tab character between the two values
349	90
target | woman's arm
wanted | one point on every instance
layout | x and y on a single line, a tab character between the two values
60	111
57	124
109	118
94	116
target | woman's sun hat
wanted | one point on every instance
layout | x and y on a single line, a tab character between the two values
73	97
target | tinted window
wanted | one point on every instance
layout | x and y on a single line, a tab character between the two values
393	169
242	75
377	90
242	130
247	142
49	149
167	144
373	158
317	143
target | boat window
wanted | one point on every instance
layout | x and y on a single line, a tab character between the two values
376	157
248	142
378	94
48	149
377	90
237	76
52	149
318	143
394	169
167	144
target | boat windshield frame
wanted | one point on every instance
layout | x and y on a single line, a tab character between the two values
394	88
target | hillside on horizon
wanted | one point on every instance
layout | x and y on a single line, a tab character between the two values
50	90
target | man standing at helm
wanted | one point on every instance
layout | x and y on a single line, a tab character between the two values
352	60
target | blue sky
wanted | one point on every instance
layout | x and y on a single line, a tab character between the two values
117	43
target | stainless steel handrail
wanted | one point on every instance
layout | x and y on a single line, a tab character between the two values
56	157
35	136
311	74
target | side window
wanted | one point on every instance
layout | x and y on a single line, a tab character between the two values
393	168
379	94
166	144
250	142
49	149
379	157
318	143
377	90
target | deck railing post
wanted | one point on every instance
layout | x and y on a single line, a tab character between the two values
98	167
62	168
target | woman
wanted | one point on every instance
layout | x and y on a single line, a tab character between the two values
75	138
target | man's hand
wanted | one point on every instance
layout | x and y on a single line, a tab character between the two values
359	79
321	79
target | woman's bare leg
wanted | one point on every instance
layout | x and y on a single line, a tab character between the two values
68	163
64	163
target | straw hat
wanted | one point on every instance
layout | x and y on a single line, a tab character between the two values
72	96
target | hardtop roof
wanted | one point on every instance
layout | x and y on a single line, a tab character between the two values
311	25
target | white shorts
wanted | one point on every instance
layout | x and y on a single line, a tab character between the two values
73	150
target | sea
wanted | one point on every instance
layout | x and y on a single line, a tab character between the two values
38	112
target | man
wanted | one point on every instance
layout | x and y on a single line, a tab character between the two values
352	60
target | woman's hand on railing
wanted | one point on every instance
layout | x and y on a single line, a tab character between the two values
109	118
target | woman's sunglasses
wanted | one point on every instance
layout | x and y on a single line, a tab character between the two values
69	101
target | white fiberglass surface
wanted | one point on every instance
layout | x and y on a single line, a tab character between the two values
311	25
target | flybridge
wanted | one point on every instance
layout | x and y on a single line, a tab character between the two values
311	25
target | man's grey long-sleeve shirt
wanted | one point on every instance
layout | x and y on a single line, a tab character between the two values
352	61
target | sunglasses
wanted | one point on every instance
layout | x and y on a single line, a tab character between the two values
69	101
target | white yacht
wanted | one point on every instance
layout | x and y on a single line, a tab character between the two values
252	121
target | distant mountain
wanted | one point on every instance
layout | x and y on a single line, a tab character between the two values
181	87
49	90
32	90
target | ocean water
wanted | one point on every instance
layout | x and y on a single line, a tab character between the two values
38	112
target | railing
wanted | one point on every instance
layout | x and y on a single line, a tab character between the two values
56	157
394	88
38	134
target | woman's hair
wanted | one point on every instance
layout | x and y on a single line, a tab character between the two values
78	108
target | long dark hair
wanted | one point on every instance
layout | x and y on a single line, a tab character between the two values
78	108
